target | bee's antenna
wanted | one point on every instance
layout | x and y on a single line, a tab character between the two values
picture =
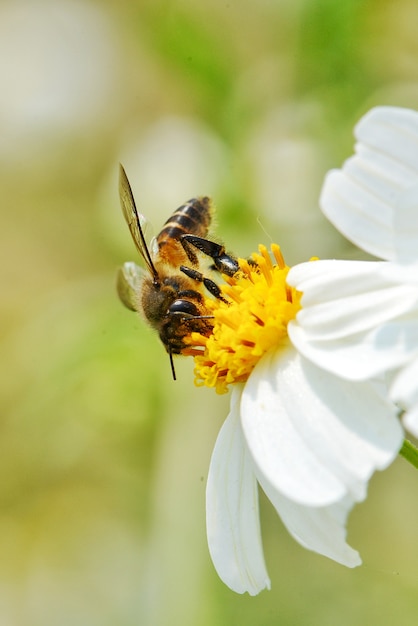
173	371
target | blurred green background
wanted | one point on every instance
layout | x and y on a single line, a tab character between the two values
103	457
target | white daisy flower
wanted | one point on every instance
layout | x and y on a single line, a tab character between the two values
312	440
366	313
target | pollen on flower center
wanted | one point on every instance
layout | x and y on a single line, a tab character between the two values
255	318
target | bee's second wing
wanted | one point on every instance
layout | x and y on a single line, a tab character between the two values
128	284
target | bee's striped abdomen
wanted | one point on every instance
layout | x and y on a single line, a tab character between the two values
192	218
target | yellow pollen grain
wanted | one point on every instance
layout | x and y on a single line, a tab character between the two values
260	306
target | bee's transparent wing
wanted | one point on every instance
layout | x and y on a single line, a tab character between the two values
153	244
135	222
128	285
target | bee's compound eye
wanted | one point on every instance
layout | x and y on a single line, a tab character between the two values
184	306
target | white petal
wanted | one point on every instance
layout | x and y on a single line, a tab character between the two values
361	217
232	515
404	391
321	529
402	273
329	280
362	198
410	420
345	324
321	281
341	298
362	355
392	131
314	437
406	226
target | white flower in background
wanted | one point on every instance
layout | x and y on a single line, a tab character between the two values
359	320
57	71
310	439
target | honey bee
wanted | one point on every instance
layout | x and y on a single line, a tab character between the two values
170	293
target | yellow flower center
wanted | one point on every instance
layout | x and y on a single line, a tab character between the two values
255	318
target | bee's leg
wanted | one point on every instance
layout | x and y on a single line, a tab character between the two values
210	285
189	250
224	262
191	293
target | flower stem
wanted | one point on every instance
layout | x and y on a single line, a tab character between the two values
409	452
